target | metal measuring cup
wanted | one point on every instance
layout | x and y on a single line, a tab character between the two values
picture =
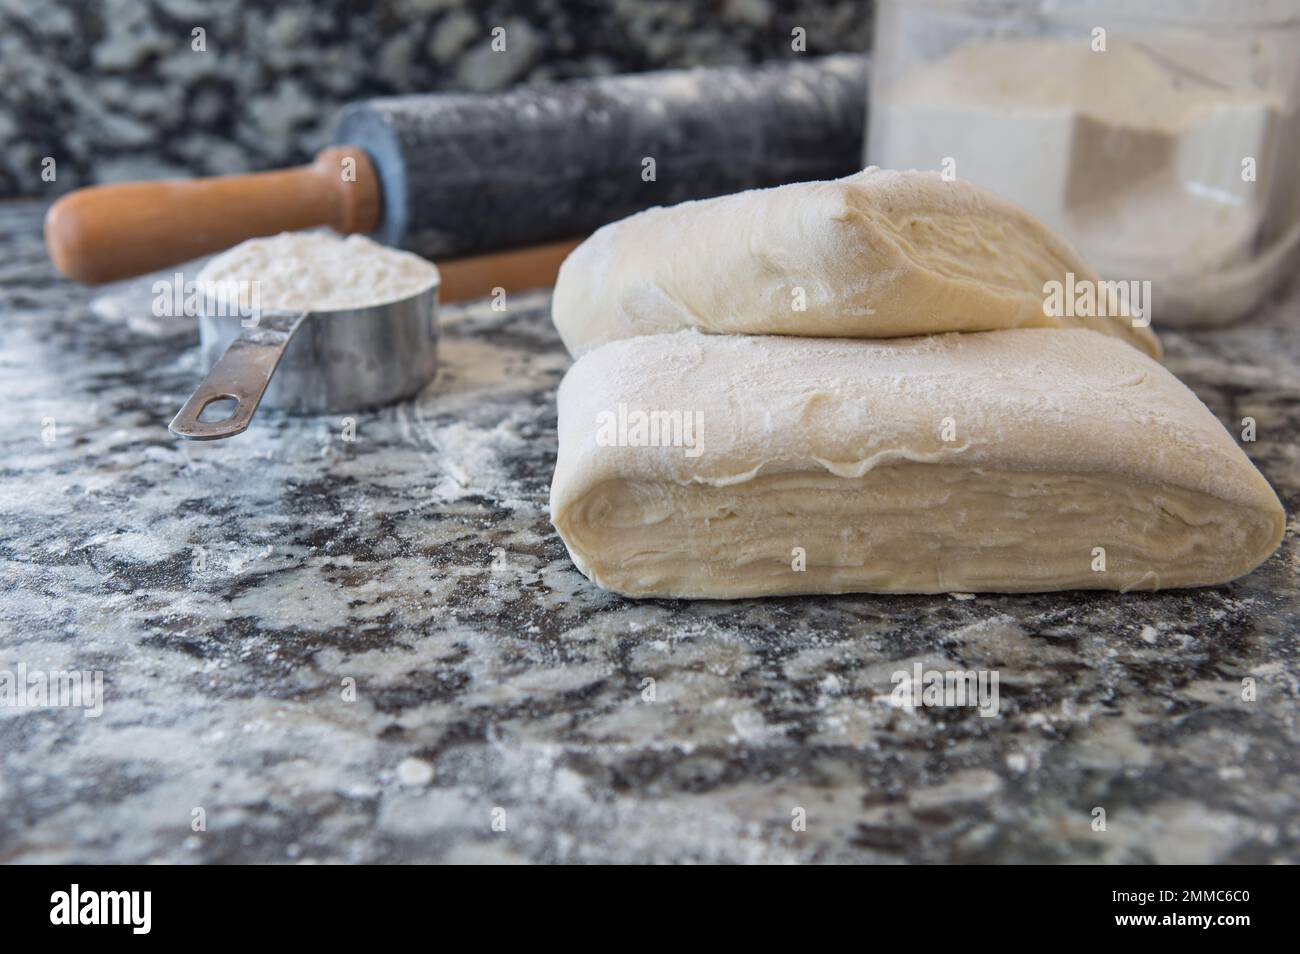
322	361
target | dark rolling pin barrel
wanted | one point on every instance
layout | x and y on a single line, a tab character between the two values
496	187
468	173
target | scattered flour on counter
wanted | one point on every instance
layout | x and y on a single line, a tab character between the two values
321	271
414	773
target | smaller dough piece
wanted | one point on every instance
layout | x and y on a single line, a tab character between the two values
1004	461
879	254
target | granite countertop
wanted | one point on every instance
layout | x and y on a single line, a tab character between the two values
233	593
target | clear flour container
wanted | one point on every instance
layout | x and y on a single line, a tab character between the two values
1162	138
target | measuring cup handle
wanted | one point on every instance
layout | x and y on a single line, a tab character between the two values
241	375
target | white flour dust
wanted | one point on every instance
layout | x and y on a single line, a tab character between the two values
321	271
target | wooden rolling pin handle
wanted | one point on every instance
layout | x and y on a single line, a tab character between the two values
520	269
117	231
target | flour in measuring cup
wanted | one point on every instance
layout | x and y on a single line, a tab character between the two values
320	271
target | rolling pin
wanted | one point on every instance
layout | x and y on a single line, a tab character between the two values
497	188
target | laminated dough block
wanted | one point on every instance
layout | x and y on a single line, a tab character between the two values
710	466
878	254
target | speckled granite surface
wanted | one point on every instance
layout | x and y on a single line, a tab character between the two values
418	561
115	89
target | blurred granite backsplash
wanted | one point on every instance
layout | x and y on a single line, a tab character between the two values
124	89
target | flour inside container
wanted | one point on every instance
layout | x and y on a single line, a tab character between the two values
1135	154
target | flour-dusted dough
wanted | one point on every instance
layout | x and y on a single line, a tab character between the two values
879	254
834	452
